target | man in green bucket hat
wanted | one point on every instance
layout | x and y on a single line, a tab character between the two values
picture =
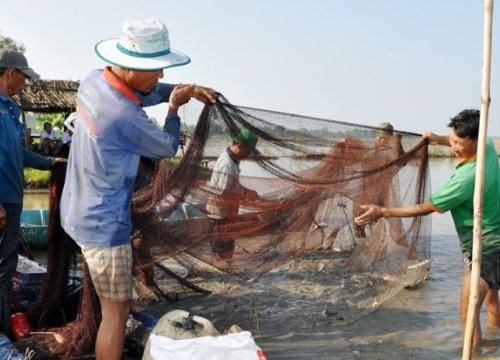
247	138
227	190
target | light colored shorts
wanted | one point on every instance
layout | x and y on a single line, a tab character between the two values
111	271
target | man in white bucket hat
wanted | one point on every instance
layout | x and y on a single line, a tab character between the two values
111	132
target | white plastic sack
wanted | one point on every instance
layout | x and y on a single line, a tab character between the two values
238	346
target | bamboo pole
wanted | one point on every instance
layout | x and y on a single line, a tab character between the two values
474	305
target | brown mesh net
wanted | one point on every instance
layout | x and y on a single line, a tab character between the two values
311	177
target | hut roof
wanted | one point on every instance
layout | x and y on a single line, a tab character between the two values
48	96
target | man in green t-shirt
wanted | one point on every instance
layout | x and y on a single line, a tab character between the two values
457	196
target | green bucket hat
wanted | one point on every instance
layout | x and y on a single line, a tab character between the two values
247	138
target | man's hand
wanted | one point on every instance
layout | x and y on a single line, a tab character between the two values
436	139
204	94
3	217
60	160
372	214
249	194
182	93
252	195
428	135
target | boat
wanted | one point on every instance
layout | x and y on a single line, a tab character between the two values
34	223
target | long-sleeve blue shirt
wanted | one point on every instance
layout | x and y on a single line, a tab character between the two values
13	156
111	132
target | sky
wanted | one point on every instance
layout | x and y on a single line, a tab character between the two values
414	63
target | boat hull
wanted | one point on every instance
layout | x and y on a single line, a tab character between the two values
34	224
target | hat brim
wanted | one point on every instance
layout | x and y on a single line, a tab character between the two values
253	151
109	52
383	133
29	72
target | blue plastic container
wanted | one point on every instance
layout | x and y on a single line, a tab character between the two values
147	319
7	349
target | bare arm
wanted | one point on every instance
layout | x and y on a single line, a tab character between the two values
375	212
436	139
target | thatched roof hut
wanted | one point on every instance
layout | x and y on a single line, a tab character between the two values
48	96
45	96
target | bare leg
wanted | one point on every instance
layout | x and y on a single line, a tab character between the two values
492	308
111	334
464	303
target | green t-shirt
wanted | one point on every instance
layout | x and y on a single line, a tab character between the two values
457	196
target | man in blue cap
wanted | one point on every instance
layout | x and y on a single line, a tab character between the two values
14	71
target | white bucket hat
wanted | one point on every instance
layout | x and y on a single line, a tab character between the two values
143	45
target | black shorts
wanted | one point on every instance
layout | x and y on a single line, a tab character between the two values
222	247
490	268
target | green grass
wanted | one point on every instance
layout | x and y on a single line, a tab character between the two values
36	179
39	179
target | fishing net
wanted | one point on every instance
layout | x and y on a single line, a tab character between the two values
312	176
64	307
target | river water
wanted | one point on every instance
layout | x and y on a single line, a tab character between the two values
421	323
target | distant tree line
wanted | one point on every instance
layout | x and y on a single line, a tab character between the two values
9	43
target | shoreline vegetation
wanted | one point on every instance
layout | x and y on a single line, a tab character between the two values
36	179
39	179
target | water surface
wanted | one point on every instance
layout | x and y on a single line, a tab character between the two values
421	323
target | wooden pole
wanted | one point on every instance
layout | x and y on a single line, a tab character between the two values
473	307
26	135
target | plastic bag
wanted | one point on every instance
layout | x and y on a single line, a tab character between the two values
7	349
238	346
180	324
